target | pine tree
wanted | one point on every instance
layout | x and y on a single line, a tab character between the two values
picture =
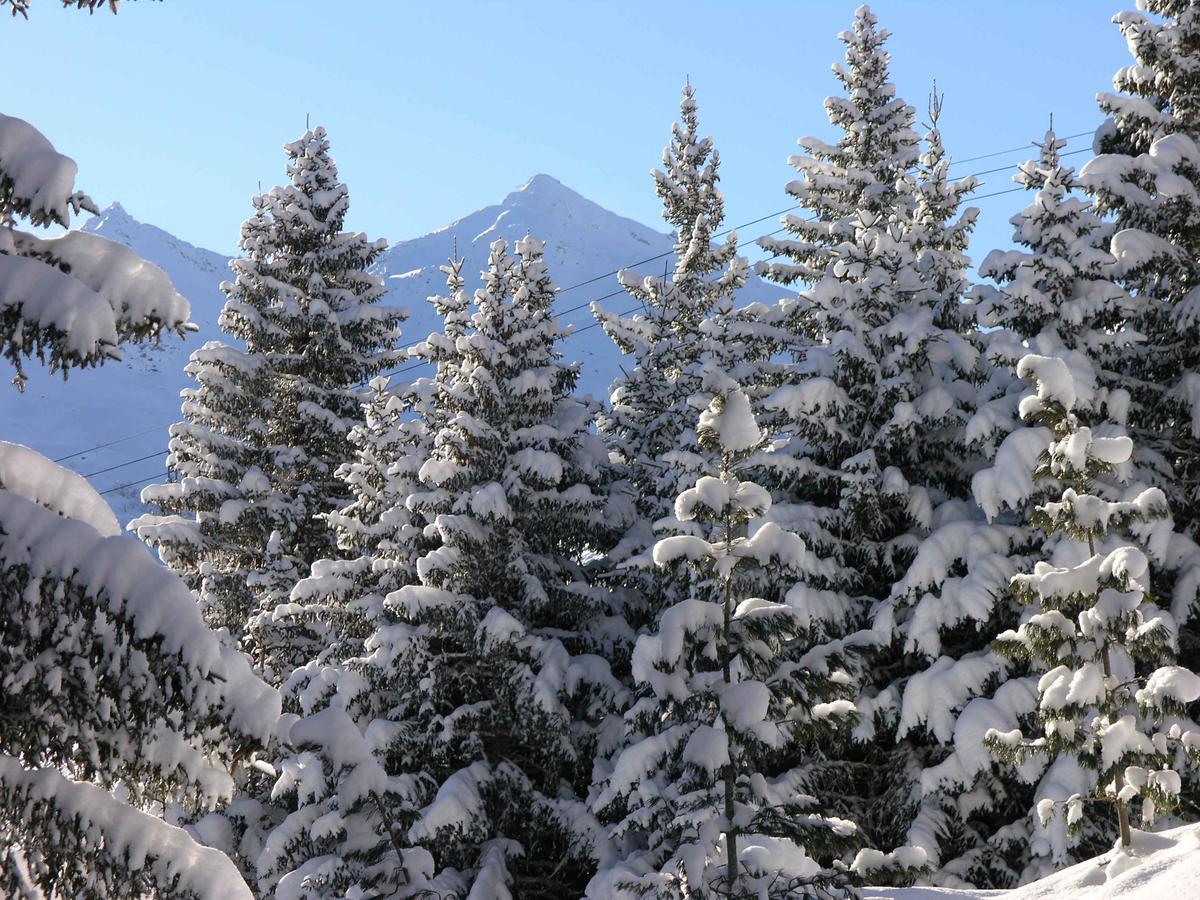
943	227
350	677
699	803
878	399
325	615
1055	294
861	173
649	416
1094	627
1060	291
118	704
1146	179
265	429
468	774
929	644
68	301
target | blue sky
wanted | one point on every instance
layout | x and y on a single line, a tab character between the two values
179	109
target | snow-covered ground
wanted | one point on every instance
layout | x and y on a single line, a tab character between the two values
1163	866
134	401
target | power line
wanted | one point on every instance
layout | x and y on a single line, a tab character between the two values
121	487
782	212
128	437
577	307
1006	168
124	464
419	365
1015	149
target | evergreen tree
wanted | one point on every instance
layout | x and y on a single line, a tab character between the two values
117	703
700	799
943	227
326	615
467	775
861	174
1060	290
1055	294
340	609
1146	178
649	416
68	301
265	429
1094	627
876	407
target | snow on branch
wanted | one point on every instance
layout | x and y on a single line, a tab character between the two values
30	475
123	579
69	300
130	851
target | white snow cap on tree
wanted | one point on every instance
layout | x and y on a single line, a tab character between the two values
69	301
700	791
265	428
115	680
1094	628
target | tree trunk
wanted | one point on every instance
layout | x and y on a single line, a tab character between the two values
1122	809
731	860
1119	782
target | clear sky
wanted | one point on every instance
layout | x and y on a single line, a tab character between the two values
179	109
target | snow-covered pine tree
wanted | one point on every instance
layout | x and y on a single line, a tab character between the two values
929	632
1093	627
472	777
649	416
862	172
119	704
699	797
265	430
876	405
1147	177
942	226
1055	295
325	615
340	609
67	301
117	700
1060	290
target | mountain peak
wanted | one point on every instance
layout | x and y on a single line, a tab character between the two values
542	181
113	217
544	189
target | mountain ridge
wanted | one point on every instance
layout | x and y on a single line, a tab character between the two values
122	402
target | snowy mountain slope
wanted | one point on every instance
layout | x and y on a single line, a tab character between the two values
583	241
134	401
119	399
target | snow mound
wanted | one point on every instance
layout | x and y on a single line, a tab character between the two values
1160	865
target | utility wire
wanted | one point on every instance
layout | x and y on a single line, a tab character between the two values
124	464
579	306
421	364
1061	137
121	487
128	437
1006	168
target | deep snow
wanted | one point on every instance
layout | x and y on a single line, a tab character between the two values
1162	866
